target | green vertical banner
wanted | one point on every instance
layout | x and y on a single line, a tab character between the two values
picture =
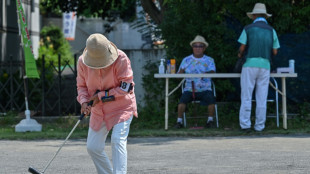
30	63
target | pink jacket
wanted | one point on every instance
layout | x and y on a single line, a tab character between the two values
89	80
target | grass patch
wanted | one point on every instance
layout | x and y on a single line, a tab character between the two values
61	131
153	126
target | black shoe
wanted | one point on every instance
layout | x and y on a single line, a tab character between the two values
178	125
246	130
259	131
210	124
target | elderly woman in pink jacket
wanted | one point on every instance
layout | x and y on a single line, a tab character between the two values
107	70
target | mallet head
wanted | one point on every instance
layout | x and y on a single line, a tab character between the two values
33	171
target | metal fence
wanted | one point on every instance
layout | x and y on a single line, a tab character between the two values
54	94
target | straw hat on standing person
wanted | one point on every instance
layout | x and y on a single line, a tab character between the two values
259	8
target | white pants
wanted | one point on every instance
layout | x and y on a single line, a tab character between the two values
96	144
259	78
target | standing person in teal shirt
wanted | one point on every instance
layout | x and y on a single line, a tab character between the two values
259	42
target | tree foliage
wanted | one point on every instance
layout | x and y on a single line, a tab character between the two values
53	43
221	23
106	9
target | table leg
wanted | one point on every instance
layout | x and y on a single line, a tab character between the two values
166	104
284	103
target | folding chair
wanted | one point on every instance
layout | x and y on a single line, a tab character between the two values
273	99
197	102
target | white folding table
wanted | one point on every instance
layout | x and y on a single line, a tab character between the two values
283	77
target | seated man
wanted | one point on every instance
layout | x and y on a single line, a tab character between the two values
200	88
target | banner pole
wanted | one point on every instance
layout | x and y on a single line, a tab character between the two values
25	84
27	124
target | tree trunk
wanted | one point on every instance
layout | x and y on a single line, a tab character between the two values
155	13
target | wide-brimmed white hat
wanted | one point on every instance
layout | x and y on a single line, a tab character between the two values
99	52
259	8
199	39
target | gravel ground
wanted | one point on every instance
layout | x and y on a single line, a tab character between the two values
168	155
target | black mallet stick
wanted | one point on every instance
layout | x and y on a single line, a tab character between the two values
33	170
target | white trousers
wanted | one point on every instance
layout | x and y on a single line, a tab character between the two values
96	143
259	78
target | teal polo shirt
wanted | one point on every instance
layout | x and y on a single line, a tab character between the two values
258	62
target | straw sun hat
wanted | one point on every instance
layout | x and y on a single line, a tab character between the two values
99	52
200	39
259	8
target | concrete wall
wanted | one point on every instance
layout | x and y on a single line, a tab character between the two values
138	59
124	36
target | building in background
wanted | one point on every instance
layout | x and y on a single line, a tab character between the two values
123	34
9	32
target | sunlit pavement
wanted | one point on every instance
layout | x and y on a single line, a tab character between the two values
216	155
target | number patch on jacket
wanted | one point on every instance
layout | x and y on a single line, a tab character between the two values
126	86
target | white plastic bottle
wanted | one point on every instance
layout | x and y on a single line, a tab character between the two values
161	68
292	65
